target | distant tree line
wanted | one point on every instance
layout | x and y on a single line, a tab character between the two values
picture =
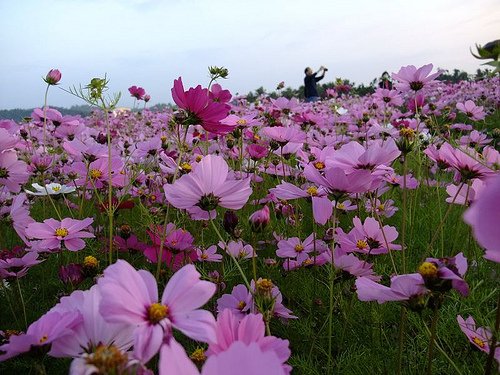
340	85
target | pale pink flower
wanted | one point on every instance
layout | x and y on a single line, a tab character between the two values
52	232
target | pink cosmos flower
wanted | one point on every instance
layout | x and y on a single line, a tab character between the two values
96	175
256	151
403	288
478	336
208	187
295	248
201	110
13	172
283	135
475	139
249	359
483	216
130	296
18	266
239	301
469	193
385	209
445	273
367	238
238	249
386	96
51	327
351	264
471	110
7	141
20	215
137	92
230	329
209	254
69	231
411	78
466	162
93	329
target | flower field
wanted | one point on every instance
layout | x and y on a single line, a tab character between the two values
352	235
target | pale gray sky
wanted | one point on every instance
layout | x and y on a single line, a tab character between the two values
151	42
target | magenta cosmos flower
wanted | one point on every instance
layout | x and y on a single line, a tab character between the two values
130	296
208	187
137	92
201	110
411	78
52	232
483	216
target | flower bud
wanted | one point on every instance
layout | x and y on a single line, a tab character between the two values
259	219
230	221
53	77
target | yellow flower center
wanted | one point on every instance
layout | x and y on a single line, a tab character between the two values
256	137
186	167
319	165
341	206
198	355
43	339
95	174
198	158
264	286
479	342
61	232
90	262
56	187
312	191
428	269
361	244
157	312
241	305
381	207
307	262
407	132
241	121
204	256
108	359
163	138
299	248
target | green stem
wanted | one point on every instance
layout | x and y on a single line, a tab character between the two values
330	313
432	339
45	119
401	333
22	302
403	224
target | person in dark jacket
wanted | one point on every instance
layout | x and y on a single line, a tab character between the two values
310	90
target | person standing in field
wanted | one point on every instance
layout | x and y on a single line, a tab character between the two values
310	90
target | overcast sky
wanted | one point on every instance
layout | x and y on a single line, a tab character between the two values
151	42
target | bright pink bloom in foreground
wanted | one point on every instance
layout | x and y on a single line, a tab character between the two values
13	172
208	187
130	296
483	216
230	329
52	232
201	110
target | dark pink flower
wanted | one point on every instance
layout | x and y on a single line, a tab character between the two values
137	92
201	110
